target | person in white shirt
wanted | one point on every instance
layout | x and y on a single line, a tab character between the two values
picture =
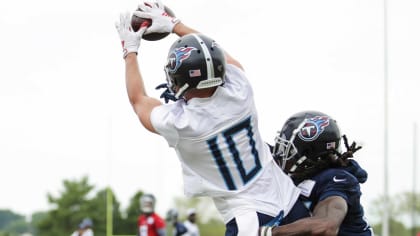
190	223
85	228
212	124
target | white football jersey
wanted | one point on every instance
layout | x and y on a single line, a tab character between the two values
192	229
221	151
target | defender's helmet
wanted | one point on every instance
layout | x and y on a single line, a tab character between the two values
147	203
194	61
305	142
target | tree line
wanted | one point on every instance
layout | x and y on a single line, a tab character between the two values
77	200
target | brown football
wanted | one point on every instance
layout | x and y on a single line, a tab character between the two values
136	22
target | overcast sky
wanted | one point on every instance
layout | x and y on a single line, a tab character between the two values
65	112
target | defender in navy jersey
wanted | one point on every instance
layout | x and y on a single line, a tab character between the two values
337	182
212	124
308	149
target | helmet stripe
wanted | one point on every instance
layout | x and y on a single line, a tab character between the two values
207	54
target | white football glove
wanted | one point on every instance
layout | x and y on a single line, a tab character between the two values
162	22
130	40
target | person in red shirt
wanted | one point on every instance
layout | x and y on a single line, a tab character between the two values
149	223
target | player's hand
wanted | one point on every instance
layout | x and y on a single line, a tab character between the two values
162	22
130	40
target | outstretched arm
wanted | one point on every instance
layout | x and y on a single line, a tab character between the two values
163	22
130	40
140	101
326	221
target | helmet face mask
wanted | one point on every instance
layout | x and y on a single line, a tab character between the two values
283	150
307	143
194	61
170	81
147	203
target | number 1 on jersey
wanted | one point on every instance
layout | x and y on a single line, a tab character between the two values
235	154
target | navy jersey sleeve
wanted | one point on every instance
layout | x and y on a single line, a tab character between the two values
357	171
339	182
336	182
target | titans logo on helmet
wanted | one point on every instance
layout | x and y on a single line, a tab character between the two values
177	56
313	128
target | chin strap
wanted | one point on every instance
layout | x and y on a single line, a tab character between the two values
167	94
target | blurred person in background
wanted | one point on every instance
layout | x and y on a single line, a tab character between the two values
149	223
84	228
190	223
178	228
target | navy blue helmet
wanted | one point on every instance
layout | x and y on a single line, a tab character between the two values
194	61
306	143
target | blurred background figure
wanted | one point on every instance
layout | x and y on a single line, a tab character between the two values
84	229
149	223
190	223
178	228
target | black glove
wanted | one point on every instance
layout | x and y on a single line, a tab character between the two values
167	94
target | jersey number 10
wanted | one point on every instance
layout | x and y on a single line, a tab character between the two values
228	137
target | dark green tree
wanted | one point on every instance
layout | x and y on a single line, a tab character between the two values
408	203
97	209
7	217
68	209
12	223
128	226
396	228
36	218
401	209
18	226
75	202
